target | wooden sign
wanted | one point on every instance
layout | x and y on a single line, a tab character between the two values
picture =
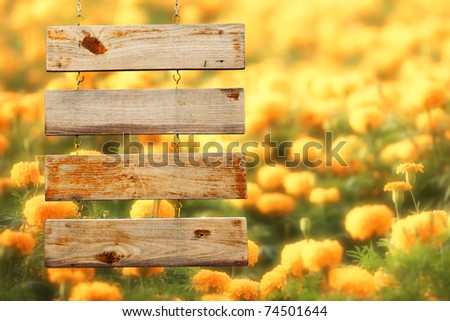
139	176
146	242
145	47
166	111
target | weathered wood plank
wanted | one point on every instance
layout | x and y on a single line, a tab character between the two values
165	111
139	176
145	47
146	242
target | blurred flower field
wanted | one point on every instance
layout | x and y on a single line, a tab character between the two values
374	73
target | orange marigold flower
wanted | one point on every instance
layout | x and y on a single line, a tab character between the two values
95	291
273	280
153	271
146	209
317	255
271	178
299	183
363	222
70	275
24	173
23	243
37	210
324	195
275	204
253	253
291	258
352	281
367	118
207	280
384	280
397	187
426	228
215	297
243	289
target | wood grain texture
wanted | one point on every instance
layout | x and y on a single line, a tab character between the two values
146	242
139	176
145	47
165	111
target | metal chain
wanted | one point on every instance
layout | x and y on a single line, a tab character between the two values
79	16
176	16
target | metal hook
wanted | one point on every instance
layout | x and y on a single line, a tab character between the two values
176	142
76	144
177	78
176	17
79	80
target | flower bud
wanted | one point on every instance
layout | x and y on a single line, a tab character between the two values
305	226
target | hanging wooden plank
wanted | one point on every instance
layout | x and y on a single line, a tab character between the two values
139	176
165	111
145	47
146	242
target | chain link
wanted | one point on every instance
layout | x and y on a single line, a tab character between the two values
79	16
176	16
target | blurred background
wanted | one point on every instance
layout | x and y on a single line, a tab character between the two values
375	73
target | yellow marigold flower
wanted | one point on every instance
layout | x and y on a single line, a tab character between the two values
275	204
146	208
86	152
363	222
243	290
352	281
95	291
138	272
273	280
324	195
426	94
384	280
253	253
291	258
4	143
403	150
367	118
207	280
271	178
215	297
132	271
70	275
23	243
397	187
426	228
317	255
432	120
24	173
37	210
409	168
299	183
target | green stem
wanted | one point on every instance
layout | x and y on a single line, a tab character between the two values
62	291
416	205
397	211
